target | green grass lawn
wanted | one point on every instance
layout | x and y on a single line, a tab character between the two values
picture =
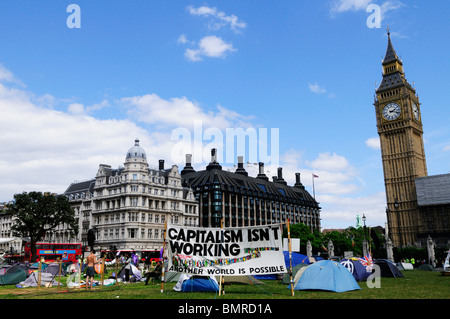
416	284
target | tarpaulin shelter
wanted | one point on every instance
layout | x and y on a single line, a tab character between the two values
32	281
54	270
171	276
356	268
13	275
388	269
135	273
326	275
188	283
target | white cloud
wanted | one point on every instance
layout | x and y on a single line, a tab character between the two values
330	162
220	19
316	88
349	5
209	46
339	6
45	150
373	143
212	46
390	5
182	39
7	77
80	109
180	112
341	211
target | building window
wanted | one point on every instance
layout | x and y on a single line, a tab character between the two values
132	233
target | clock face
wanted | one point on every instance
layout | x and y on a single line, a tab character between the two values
391	111
415	111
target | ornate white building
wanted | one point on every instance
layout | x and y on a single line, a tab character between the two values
128	206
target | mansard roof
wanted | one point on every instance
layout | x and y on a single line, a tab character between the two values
213	179
78	187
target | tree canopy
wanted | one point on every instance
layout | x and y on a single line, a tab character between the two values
349	239
37	213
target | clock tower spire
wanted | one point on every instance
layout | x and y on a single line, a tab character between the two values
399	126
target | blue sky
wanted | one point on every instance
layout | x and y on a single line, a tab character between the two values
74	98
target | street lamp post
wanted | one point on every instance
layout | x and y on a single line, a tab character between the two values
365	248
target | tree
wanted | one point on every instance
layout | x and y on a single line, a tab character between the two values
303	232
37	213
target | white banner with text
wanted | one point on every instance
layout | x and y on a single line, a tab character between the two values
256	250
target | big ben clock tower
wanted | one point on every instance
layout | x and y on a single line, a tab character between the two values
399	125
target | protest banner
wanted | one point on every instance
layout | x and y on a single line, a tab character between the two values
254	250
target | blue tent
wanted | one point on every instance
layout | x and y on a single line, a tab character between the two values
199	284
298	258
326	275
357	269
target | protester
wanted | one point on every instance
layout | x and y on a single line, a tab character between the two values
90	269
128	264
155	273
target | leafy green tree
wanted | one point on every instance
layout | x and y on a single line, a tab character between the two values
303	232
37	213
341	242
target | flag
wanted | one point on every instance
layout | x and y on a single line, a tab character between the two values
367	262
353	242
315	176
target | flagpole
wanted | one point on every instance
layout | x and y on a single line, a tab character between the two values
164	251
290	259
314	192
221	277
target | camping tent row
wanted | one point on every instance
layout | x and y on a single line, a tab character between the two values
19	273
337	276
307	274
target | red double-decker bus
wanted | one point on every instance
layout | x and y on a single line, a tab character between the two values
51	251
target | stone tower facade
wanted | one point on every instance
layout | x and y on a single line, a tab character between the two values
399	125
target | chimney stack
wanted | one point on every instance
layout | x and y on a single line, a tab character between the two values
241	169
298	183
213	164
161	164
280	176
188	167
261	174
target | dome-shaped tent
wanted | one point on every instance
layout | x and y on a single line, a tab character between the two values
356	268
326	275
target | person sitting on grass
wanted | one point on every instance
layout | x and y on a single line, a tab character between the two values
155	273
